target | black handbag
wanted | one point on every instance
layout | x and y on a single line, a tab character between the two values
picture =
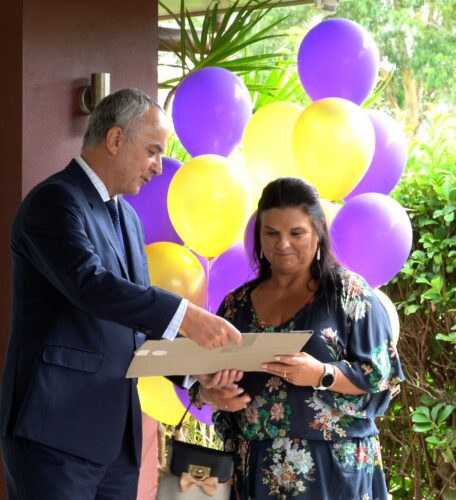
195	472
199	461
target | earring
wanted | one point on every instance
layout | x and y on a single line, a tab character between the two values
261	254
318	253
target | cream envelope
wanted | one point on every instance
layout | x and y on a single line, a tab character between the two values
182	356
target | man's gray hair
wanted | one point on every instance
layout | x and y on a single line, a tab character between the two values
120	109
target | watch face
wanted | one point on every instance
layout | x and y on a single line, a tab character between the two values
327	379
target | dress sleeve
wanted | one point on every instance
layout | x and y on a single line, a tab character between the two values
370	359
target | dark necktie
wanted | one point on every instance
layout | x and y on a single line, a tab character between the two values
111	205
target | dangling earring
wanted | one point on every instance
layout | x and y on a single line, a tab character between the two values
261	254
318	253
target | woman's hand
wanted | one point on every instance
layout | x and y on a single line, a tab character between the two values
223	379
305	370
225	399
299	369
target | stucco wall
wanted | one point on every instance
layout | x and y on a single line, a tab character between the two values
49	49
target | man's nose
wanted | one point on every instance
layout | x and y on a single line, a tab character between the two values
157	167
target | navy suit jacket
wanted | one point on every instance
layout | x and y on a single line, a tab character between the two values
75	310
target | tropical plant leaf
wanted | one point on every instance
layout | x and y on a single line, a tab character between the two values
221	42
195	38
183	32
205	29
278	84
378	91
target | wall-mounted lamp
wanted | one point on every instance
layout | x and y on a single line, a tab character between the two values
327	5
91	95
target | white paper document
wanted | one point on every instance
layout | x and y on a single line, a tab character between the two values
182	356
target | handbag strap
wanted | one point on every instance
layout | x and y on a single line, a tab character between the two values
179	425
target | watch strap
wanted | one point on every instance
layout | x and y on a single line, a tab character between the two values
330	370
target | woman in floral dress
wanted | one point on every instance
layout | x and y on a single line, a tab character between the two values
304	428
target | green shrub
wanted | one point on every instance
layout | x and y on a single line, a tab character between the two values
418	435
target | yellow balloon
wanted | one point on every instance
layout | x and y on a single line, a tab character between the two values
334	142
330	210
159	400
175	269
208	203
255	188
392	313
267	143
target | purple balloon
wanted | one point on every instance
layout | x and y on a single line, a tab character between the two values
372	236
390	157
338	58
204	415
227	272
210	111
152	207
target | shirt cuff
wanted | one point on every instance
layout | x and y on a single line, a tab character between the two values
173	328
188	381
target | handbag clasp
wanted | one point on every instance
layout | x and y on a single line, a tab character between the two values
199	471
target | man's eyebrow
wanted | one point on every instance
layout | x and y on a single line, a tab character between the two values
157	147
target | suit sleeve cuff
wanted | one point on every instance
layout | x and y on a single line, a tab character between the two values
173	328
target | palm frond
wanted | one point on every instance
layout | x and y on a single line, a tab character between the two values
224	22
184	35
378	91
206	29
195	38
278	84
222	42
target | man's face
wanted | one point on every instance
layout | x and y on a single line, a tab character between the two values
139	154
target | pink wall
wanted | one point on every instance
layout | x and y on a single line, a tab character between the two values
49	49
64	42
147	487
11	156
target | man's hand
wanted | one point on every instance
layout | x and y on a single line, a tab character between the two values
207	330
225	379
226	399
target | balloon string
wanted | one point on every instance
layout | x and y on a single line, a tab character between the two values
208	272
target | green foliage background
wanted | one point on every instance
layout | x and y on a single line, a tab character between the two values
417	43
419	434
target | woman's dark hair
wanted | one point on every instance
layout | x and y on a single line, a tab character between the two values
293	192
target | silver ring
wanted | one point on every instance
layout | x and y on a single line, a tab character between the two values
226	407
285	375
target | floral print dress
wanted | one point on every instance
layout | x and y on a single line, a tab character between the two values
301	443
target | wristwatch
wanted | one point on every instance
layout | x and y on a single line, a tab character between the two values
328	378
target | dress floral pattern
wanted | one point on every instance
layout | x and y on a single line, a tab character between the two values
298	442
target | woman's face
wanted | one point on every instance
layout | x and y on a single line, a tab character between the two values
288	239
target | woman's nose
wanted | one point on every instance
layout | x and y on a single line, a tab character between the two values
283	242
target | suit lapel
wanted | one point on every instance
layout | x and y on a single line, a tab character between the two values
99	210
104	219
132	242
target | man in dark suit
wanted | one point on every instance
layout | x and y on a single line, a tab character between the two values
69	419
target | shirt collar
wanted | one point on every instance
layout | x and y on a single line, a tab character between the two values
96	181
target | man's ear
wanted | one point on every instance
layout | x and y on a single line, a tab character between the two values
114	139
